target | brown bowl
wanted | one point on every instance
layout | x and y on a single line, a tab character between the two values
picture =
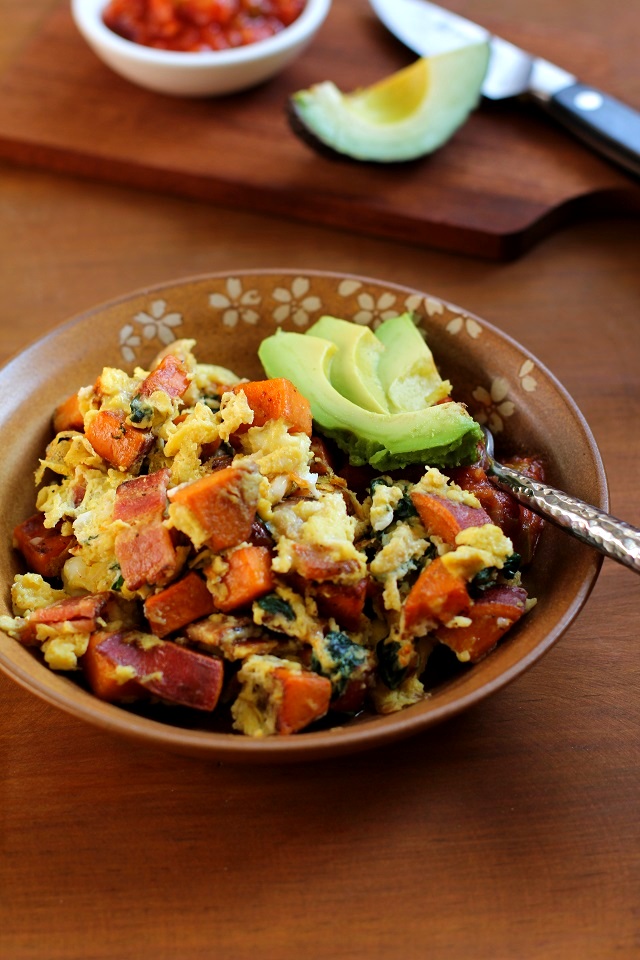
229	314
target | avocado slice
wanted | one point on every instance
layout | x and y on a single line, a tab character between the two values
442	436
354	370
407	370
404	116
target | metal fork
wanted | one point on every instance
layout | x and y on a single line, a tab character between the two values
615	538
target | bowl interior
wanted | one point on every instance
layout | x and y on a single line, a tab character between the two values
228	316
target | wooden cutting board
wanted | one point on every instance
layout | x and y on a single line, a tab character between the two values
505	180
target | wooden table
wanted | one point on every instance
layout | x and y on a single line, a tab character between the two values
510	832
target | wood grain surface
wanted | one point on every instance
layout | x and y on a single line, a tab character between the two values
510	833
506	179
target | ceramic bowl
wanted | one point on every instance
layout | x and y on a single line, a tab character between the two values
228	315
198	74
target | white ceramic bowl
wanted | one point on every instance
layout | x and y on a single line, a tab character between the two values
198	74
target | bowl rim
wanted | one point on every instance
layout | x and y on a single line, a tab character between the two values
88	17
338	740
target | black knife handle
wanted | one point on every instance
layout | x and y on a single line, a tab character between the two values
610	127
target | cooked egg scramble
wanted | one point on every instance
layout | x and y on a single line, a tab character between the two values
189	546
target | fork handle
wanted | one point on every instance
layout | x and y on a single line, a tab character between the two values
614	538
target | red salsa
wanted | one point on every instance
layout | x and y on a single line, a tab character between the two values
197	25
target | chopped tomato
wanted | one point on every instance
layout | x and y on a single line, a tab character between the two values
198	25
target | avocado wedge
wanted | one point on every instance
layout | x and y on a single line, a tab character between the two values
442	436
404	116
354	368
407	371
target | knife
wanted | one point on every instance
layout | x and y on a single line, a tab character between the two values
605	124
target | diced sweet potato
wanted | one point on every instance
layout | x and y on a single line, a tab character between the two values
491	616
170	375
162	668
103	676
445	518
178	604
146	555
116	441
223	504
436	597
44	550
316	562
305	698
67	415
142	499
343	602
248	577
276	399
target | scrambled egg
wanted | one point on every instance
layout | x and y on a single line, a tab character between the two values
384	501
478	548
401	549
435	483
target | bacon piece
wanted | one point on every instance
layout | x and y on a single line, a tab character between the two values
45	550
72	608
170	375
116	441
180	603
146	554
142	499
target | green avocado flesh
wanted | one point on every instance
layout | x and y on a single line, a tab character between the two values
355	365
404	116
441	436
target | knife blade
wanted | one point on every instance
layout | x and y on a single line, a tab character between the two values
608	126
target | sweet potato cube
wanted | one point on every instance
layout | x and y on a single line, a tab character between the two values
67	415
276	399
343	602
305	698
44	550
222	505
162	668
143	498
116	441
249	576
170	375
316	562
178	604
436	597
491	617
146	554
445	518
103	676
